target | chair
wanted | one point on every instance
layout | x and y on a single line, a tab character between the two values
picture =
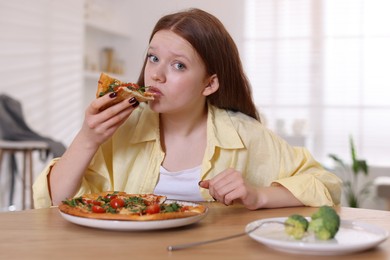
17	137
26	148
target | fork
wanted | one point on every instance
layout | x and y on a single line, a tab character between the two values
199	243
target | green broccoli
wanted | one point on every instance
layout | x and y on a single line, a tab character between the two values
324	223
296	226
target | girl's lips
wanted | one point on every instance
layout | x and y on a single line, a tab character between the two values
155	91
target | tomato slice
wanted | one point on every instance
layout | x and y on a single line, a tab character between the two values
86	201
152	209
184	208
117	203
111	196
98	209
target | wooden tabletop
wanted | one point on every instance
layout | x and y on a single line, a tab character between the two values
45	234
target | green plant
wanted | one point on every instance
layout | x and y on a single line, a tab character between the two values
354	192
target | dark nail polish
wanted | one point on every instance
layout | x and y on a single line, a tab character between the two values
199	183
136	104
113	94
132	100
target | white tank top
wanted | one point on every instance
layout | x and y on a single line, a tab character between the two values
181	185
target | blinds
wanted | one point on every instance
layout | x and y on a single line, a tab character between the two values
41	63
324	63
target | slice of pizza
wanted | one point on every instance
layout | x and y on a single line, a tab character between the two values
114	205
124	90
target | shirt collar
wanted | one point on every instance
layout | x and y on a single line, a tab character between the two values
220	129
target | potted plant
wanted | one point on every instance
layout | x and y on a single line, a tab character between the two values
354	190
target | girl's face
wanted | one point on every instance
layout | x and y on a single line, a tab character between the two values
176	74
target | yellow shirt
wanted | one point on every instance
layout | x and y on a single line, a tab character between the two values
130	161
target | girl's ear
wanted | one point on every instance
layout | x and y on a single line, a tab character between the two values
212	86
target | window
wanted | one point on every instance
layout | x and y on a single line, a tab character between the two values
324	63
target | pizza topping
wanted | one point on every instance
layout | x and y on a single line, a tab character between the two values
152	209
119	204
98	209
74	202
171	207
110	196
116	85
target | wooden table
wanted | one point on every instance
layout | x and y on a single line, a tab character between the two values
44	234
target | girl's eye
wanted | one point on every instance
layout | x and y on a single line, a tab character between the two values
152	58
179	66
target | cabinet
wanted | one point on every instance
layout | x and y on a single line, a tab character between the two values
106	44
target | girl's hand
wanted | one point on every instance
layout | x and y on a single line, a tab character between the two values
99	125
229	186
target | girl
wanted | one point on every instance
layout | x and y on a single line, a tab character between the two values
200	139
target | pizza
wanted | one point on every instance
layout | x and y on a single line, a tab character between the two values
114	205
124	90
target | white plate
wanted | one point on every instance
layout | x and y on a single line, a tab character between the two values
131	225
353	236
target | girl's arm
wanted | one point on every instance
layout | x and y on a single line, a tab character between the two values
66	175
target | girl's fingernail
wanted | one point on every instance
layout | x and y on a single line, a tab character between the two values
135	104
113	94
132	100
199	183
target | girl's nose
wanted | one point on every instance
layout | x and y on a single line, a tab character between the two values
158	74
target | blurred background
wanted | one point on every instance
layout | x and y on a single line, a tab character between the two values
319	68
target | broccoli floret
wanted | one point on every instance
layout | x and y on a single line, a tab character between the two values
324	223
296	226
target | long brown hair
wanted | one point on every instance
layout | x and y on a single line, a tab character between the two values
213	43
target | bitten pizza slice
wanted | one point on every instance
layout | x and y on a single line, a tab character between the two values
124	90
